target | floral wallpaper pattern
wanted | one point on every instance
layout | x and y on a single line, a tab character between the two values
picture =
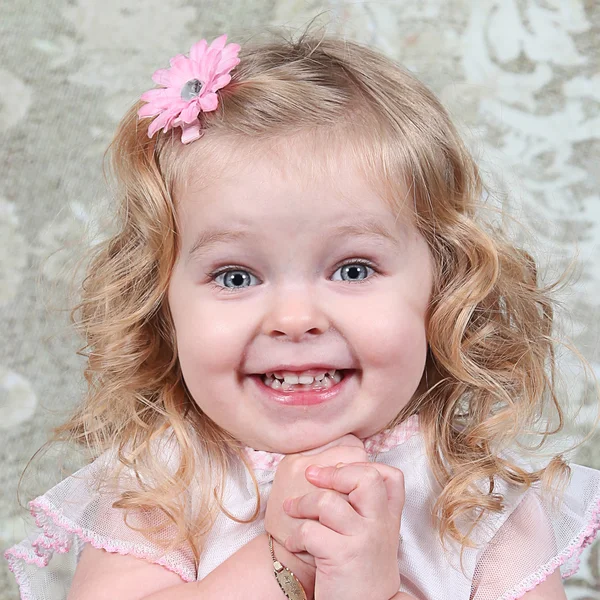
520	77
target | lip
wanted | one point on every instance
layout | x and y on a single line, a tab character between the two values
301	368
308	398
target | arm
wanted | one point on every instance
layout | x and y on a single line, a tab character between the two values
518	552
550	589
245	575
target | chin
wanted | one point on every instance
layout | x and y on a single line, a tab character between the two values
288	447
307	445
296	448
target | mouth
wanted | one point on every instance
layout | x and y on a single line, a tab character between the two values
309	380
303	390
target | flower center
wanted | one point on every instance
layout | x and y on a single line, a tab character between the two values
191	89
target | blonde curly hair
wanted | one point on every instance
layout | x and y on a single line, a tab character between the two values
490	365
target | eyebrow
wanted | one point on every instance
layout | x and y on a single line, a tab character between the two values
213	237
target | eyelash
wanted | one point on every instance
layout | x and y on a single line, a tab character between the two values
214	274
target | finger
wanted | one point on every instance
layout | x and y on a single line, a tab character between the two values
371	487
363	484
303	556
326	506
393	479
316	539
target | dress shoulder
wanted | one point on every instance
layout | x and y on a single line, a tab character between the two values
76	512
537	534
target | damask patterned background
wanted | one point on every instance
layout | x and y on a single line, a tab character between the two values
521	78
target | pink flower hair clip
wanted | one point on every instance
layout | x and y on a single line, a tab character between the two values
189	87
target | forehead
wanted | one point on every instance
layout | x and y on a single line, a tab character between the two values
303	173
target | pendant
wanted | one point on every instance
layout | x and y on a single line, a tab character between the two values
289	583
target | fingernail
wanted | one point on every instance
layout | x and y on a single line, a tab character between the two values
339	465
313	470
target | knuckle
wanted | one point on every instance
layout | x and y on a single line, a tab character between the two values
348	455
361	455
355	455
342	451
398	477
372	476
303	531
351	440
327	500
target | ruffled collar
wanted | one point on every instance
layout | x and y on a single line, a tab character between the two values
380	442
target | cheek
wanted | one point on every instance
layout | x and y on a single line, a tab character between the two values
390	324
210	338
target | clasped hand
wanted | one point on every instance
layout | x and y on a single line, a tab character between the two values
344	519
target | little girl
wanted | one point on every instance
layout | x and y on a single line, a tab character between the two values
307	361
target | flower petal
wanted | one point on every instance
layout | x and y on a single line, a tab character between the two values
230	51
177	58
158	94
149	110
209	64
227	65
190	112
209	102
181	70
190	132
168	104
219	82
219	43
161	121
162	77
198	50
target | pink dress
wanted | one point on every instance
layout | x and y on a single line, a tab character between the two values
517	549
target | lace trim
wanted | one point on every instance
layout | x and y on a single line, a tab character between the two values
387	440
14	556
56	535
380	442
574	549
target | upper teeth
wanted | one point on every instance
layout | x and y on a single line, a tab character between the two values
294	378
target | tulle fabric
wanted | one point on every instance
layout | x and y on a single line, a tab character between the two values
517	549
79	511
536	538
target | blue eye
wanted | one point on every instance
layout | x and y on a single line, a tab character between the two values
356	271
238	278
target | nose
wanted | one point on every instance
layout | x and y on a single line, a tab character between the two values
295	313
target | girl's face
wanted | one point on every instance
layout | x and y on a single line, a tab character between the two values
308	269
